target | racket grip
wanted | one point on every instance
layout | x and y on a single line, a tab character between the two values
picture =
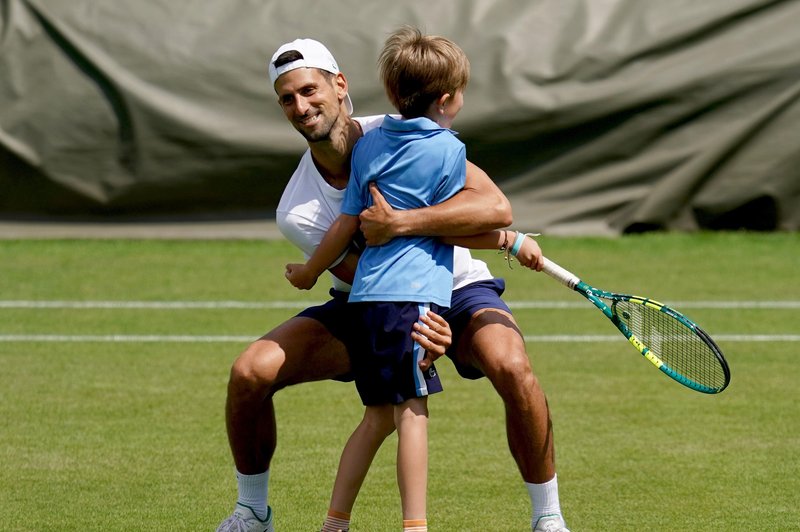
568	279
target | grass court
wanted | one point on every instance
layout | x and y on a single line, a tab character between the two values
114	356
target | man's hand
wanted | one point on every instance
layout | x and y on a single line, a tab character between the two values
530	254
434	335
376	220
300	276
478	208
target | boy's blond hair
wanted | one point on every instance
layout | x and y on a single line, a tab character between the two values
417	69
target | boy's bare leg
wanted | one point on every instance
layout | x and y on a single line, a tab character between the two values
411	420
358	453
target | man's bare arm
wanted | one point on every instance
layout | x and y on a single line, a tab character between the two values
346	269
479	207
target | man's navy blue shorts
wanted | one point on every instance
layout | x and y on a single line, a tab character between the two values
464	303
337	315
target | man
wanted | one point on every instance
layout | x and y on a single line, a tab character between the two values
313	95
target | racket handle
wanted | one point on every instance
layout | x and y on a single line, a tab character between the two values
568	279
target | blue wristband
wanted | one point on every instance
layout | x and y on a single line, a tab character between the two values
517	243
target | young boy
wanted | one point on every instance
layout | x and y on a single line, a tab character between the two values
416	161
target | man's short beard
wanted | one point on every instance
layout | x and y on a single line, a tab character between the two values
317	136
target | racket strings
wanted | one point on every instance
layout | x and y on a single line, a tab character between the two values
675	343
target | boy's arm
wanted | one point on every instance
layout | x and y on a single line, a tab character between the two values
336	240
520	245
480	206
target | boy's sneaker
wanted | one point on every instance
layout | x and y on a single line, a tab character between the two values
551	523
244	520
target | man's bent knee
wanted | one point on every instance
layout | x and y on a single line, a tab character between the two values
256	369
299	350
501	356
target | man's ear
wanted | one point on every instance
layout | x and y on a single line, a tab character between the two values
341	86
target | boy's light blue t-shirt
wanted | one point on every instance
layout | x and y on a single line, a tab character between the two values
415	163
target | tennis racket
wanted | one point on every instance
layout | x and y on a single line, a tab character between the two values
664	336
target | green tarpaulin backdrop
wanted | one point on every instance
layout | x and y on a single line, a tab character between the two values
594	116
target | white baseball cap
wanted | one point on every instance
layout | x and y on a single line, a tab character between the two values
314	55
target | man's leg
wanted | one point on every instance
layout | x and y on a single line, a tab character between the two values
493	343
299	350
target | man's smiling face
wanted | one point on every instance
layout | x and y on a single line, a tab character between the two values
311	100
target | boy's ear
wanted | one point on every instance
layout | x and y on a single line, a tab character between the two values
441	101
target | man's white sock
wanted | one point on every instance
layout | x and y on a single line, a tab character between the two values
253	492
544	498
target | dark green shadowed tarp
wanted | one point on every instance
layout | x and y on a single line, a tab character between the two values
595	117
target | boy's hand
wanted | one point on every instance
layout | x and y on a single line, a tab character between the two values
300	276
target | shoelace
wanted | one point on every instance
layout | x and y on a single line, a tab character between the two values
236	523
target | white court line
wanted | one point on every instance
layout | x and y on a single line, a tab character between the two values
122	338
165	305
559	338
185	338
182	305
725	305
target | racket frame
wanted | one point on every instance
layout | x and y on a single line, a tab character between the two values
596	296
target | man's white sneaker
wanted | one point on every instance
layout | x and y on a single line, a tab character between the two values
244	520
550	523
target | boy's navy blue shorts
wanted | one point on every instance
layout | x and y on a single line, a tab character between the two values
384	357
339	317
